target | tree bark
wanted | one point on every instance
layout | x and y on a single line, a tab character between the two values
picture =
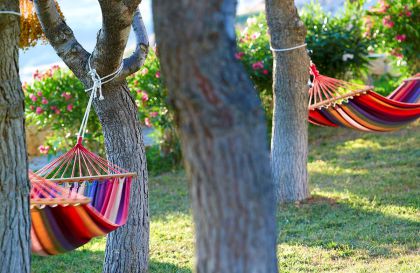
127	248
14	184
289	142
223	136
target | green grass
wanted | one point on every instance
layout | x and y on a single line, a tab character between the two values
364	214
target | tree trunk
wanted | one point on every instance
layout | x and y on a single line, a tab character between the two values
15	222
223	136
289	142
125	147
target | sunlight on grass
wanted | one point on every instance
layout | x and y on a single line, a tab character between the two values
363	216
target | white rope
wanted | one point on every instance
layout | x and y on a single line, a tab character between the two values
286	49
83	125
10	12
96	90
98	81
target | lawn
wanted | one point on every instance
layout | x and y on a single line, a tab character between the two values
364	214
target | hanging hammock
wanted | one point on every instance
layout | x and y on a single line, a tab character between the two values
76	197
338	103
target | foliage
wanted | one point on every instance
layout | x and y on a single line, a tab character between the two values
358	220
150	93
337	45
30	27
395	25
56	100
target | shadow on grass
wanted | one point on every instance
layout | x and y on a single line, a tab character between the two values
88	261
336	224
380	167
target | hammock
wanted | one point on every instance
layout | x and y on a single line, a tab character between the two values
337	103
76	197
68	212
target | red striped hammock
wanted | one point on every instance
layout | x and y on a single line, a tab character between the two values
86	196
338	103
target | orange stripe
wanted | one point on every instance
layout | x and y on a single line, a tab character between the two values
42	233
359	120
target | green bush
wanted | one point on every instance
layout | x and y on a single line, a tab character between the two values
394	25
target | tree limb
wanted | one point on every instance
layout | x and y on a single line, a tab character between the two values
136	60
112	38
61	37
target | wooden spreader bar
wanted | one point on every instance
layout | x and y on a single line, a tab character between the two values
91	178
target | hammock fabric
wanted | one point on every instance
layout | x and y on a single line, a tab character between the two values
337	103
85	197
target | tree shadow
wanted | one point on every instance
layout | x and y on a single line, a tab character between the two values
380	167
337	224
90	261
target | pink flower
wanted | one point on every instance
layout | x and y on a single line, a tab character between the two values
408	13
383	6
32	107
44	101
57	111
401	37
43	149
144	96
147	122
258	65
265	71
144	71
39	94
239	55
39	110
397	53
69	107
36	74
157	75
33	97
255	35
154	114
388	22
66	95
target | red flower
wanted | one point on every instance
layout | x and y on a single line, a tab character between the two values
157	75
258	65
70	107
388	22
401	37
265	71
239	55
39	110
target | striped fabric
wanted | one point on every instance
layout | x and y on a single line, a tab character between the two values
58	228
370	112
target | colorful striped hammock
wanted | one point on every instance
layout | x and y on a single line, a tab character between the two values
85	197
337	103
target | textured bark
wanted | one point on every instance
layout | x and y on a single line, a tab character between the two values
14	184
127	248
222	130
289	143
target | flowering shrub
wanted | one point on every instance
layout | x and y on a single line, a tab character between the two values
56	100
394	24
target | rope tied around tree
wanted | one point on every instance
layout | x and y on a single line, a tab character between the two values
96	92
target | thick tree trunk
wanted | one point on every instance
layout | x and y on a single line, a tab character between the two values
289	143
14	184
223	136
127	248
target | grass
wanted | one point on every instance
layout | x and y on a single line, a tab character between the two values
363	216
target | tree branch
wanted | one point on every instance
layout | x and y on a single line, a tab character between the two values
61	37
136	60
112	38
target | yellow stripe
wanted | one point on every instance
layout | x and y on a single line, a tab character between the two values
43	233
